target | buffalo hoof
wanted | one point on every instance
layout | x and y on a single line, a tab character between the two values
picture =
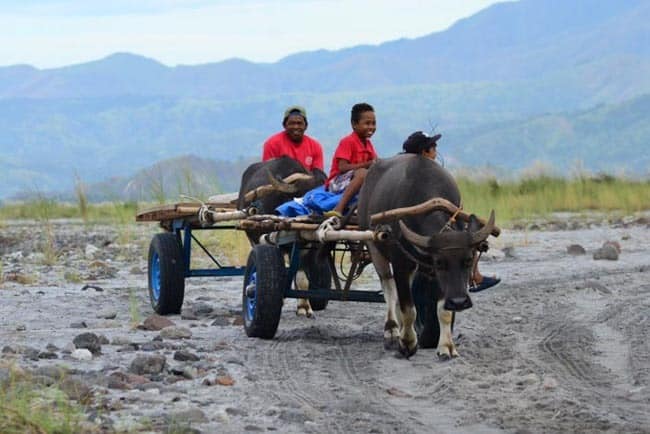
301	311
407	352
391	343
443	357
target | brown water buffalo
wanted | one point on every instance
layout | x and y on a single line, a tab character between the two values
266	185
424	238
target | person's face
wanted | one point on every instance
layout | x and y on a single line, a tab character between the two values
366	126
430	153
295	127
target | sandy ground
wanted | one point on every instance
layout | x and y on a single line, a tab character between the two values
561	345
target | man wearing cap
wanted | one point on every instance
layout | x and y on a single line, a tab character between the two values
293	142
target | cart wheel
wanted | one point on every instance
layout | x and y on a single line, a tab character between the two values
166	274
320	277
426	323
264	284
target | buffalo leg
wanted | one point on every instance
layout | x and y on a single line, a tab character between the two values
302	284
408	340
391	326
446	346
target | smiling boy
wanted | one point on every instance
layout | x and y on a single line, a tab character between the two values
354	155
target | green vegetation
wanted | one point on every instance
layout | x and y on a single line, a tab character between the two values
28	407
529	197
544	194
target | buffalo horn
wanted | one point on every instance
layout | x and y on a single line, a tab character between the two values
482	234
281	186
412	237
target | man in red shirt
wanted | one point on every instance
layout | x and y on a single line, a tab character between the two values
293	142
354	155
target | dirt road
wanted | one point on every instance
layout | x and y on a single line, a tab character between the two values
561	345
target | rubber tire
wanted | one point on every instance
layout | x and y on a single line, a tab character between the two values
320	277
261	312
166	274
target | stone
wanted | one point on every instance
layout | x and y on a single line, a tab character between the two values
157	322
607	252
575	250
148	364
90	251
202	308
106	314
82	354
185	356
190	415
175	332
549	383
90	341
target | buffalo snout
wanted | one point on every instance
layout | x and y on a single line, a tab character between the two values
456	304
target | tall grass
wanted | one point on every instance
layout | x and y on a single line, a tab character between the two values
539	196
27	407
513	200
82	198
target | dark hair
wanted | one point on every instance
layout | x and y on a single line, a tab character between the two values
357	109
418	142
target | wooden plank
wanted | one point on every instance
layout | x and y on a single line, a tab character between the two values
176	210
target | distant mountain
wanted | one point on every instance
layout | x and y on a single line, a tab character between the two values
487	83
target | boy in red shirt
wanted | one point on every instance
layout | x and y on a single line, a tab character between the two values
354	155
293	142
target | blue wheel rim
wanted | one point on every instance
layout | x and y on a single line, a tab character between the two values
154	269
251	295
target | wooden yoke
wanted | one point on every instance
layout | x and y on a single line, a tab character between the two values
429	205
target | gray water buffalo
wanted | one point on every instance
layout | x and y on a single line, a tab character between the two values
266	185
417	196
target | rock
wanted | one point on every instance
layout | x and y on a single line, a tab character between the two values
221	321
509	251
549	383
148	364
608	252
30	353
79	325
187	314
185	356
576	249
76	389
202	308
82	354
120	340
189	416
175	332
157	322
47	355
106	314
293	416
614	244
225	380
89	341
90	251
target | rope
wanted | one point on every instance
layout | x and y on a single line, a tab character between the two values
204	211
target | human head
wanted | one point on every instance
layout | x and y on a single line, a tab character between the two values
295	122
420	143
362	118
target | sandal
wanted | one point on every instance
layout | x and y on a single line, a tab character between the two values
487	282
332	213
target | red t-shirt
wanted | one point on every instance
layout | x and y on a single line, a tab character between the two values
351	148
308	152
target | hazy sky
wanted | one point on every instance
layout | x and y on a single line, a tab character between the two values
51	33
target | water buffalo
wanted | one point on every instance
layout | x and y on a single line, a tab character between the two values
269	184
431	241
